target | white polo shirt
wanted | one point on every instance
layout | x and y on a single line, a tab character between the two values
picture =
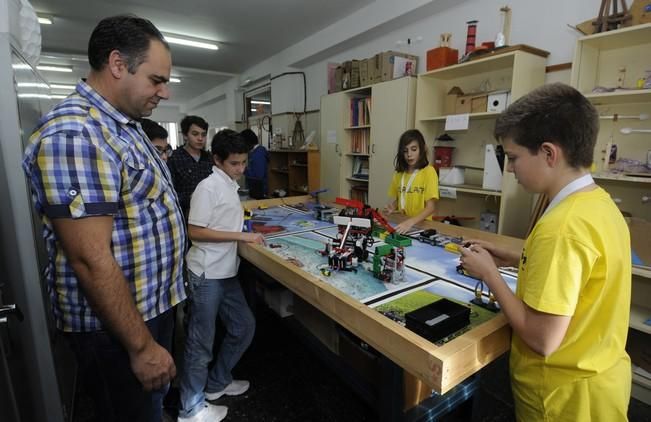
215	204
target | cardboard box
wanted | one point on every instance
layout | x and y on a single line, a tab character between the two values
332	80
451	176
406	65
345	79
462	105
498	101
280	300
363	73
339	76
441	57
375	69
451	100
478	103
354	74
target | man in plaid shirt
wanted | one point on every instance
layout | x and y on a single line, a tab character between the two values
112	222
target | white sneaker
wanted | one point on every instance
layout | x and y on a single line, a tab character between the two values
235	388
209	413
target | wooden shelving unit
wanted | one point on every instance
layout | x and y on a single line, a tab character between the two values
294	171
612	59
518	72
389	111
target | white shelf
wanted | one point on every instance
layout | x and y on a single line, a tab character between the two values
621	178
358	127
640	314
642	272
620	38
620	97
474	116
477	190
488	64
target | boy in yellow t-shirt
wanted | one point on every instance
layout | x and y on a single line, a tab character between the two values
570	311
415	186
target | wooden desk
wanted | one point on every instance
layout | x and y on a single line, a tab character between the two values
442	367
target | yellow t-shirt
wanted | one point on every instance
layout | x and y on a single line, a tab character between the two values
577	262
424	187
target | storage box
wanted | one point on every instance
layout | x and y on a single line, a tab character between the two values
396	64
451	99
354	74
441	57
363	73
339	76
442	156
375	69
463	104
438	320
497	101
451	176
478	104
280	300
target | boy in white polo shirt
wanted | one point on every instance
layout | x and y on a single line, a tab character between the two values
215	226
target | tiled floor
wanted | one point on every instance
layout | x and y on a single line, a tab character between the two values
288	384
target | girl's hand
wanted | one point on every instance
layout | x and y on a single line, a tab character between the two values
390	208
405	226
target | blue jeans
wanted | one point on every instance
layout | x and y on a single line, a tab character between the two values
209	298
105	369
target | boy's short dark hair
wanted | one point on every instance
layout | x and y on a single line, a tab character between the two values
153	130
227	142
128	34
188	121
406	138
250	137
554	113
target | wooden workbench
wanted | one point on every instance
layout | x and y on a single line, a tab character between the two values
442	367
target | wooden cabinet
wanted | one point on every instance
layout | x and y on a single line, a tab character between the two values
295	172
517	72
360	129
606	69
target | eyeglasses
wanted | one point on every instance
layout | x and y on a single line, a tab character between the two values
163	150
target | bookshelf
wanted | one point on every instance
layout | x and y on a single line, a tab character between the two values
294	171
360	129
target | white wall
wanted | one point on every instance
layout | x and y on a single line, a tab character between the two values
380	25
167	113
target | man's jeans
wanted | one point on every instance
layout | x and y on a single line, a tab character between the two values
105	369
209	298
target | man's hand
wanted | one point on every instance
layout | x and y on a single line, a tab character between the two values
153	366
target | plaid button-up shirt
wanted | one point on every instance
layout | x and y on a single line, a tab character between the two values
88	159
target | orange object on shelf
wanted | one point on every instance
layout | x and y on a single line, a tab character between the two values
442	157
441	57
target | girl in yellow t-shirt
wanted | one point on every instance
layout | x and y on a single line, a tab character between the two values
414	188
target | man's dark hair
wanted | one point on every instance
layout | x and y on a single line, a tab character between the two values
554	113
128	34
227	142
400	163
153	130
250	137
188	121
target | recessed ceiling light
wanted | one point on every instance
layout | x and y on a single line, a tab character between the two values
175	80
20	66
58	96
172	39
54	69
61	86
44	20
260	102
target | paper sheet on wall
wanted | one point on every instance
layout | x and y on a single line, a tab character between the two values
457	122
447	192
332	137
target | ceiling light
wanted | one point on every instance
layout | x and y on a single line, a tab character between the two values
44	20
191	43
175	80
32	85
32	95
61	86
260	102
54	69
20	66
58	96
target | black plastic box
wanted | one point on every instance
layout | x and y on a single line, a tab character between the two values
438	320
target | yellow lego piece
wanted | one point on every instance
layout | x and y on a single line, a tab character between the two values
452	247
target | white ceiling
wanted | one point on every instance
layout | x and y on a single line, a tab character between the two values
247	31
